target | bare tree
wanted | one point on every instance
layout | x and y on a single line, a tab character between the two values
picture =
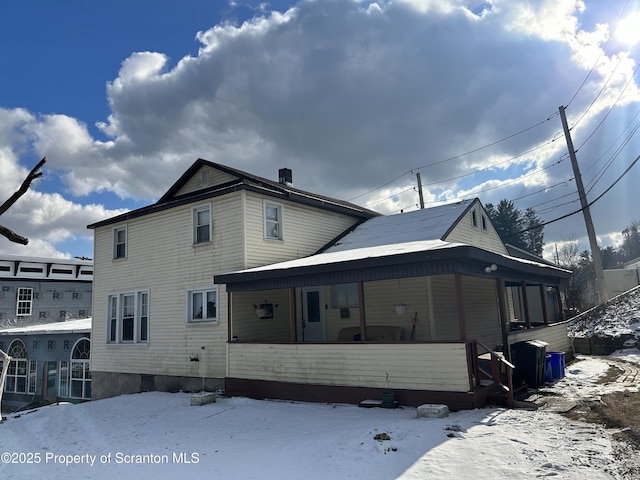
33	174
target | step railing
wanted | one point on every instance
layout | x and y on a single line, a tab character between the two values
495	376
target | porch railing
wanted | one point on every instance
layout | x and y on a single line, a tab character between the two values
498	362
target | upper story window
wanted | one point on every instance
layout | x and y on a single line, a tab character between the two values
203	305
273	221
474	218
128	317
202	224
120	242
24	305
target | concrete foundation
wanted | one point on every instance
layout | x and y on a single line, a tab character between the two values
112	384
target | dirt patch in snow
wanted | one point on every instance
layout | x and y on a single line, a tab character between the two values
619	412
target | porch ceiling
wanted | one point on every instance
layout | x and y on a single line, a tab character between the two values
448	259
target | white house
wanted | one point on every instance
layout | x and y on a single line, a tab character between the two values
159	321
426	303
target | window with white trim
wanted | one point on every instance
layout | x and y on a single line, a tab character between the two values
273	221
80	372
120	242
24	302
128	317
18	373
202	305
344	295
202	224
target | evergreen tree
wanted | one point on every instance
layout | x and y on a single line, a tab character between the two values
533	234
511	223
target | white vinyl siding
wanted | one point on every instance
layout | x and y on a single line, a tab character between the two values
481	234
307	229
206	177
416	366
161	258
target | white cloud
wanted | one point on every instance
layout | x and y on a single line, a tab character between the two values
349	95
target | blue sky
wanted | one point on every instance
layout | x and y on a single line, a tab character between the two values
355	97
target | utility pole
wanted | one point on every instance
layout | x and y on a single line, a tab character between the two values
593	242
420	191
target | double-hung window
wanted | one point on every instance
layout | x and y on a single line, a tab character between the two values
202	224
128	318
273	221
25	302
120	242
203	305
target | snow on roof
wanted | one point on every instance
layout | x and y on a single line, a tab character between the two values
82	325
332	257
56	260
427	224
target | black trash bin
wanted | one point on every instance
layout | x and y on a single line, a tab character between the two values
529	358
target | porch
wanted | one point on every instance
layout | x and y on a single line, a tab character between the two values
287	327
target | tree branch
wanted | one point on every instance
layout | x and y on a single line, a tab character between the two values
33	174
13	236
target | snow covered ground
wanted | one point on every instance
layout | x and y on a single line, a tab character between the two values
239	438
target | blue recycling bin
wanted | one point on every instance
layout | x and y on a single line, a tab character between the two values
557	364
548	370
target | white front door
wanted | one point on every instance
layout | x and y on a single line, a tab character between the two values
313	328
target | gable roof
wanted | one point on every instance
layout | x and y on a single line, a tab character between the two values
242	181
393	246
420	225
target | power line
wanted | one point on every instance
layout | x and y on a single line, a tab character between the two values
458	156
610	108
599	57
588	205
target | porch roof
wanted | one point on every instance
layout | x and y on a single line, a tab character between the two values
410	259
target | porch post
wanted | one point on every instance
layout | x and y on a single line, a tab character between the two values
525	304
229	330
502	311
293	326
363	323
543	299
560	307
460	303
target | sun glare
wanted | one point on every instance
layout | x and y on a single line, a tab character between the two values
628	30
